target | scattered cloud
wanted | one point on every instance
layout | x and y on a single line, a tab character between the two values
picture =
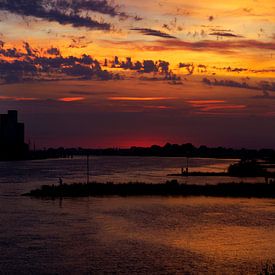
224	34
152	32
53	51
213	105
124	98
14	98
220	46
211	18
227	83
262	85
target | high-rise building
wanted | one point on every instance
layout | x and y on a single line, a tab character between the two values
12	143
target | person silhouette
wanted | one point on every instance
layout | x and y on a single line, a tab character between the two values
60	181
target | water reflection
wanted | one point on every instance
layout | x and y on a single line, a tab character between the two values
127	235
152	235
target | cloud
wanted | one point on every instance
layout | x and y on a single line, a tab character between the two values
14	98
64	12
152	32
265	95
78	41
71	99
224	34
215	105
189	67
206	101
31	66
211	18
227	83
265	86
210	45
158	107
100	6
221	46
124	98
53	51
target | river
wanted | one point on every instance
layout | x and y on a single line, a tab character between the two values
129	235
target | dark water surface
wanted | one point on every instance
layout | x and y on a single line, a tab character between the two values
128	235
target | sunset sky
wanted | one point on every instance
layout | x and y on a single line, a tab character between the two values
96	73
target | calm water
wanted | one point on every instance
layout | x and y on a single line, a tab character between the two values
128	235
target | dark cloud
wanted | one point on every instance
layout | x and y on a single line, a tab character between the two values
30	51
210	45
189	67
263	71
100	6
229	69
84	93
219	29
211	18
267	86
264	86
63	11
227	83
31	66
11	52
265	95
79	41
224	34
146	66
152	32
16	71
53	51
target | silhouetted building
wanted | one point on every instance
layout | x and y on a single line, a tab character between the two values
12	133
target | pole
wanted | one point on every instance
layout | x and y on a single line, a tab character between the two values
187	165
88	168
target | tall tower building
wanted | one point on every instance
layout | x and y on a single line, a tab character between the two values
12	134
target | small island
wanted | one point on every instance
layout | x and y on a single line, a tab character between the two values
245	168
170	188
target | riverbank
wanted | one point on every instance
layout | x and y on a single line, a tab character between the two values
170	188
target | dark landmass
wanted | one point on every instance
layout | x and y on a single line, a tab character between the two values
267	269
200	174
13	147
168	150
243	168
249	168
170	188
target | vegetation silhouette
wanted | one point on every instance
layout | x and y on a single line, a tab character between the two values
168	150
248	168
170	188
267	269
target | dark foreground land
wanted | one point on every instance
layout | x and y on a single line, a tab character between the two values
170	188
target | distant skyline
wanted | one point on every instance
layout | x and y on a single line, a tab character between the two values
97	73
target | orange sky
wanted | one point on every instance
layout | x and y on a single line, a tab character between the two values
227	72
